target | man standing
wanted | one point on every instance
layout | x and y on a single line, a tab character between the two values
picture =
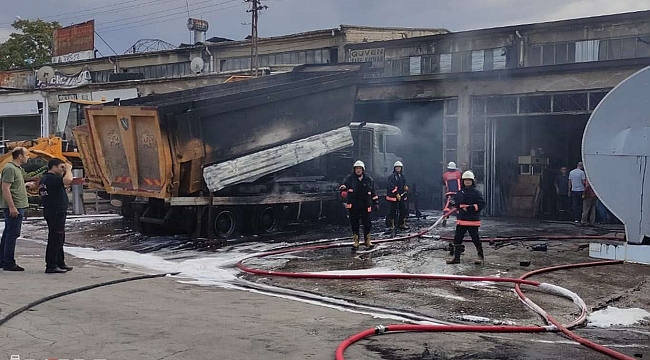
359	191
469	202
55	206
588	205
14	202
396	196
577	179
562	191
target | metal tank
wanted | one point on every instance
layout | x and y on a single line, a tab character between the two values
616	149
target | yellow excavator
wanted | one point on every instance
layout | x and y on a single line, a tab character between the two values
41	150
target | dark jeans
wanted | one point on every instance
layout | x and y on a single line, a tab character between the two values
396	206
9	237
473	232
563	206
54	256
362	214
576	201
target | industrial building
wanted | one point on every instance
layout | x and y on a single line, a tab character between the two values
501	101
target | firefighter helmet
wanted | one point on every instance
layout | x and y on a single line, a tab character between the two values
398	163
452	165
468	175
360	164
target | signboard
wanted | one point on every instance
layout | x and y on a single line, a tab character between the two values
78	38
373	56
17	80
60	80
82	55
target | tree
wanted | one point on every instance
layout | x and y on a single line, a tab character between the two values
31	45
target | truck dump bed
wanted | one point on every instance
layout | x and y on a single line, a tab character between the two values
157	146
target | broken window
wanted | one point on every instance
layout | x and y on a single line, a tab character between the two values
415	65
500	58
628	48
614	49
595	98
501	105
488	59
548	54
603	50
643	46
535	104
445	63
451	107
570	102
457	62
561	53
535	56
587	50
478	60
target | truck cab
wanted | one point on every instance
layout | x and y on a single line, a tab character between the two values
374	144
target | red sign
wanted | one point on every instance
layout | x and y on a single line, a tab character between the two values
74	39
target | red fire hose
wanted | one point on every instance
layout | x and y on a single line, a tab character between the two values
555	325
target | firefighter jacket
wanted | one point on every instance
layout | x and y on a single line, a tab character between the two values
451	180
359	193
469	202
396	186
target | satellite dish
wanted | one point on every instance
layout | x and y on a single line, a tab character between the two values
616	153
197	65
45	74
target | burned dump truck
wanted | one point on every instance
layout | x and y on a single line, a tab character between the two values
236	157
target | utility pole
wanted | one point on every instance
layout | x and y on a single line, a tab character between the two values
255	9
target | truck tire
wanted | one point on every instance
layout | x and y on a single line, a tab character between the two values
226	223
268	219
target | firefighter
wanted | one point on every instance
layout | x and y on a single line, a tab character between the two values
359	191
451	182
396	195
469	202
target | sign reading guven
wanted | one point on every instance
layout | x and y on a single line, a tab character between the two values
373	56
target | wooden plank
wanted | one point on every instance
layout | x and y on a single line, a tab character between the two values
251	200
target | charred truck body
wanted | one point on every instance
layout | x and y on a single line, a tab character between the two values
245	155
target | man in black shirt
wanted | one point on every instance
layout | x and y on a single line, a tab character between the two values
54	199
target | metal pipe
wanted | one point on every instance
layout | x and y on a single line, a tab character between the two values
77	194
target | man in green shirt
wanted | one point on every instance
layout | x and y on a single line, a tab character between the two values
13	203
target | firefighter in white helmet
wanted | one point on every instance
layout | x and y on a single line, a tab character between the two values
359	191
396	195
469	202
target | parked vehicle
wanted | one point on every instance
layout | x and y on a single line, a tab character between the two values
215	161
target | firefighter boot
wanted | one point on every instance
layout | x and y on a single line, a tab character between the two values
480	259
355	245
403	225
368	244
455	258
391	226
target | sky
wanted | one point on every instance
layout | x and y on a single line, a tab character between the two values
121	23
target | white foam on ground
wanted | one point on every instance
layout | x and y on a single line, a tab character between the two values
613	316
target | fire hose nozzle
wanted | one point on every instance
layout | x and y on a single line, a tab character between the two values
380	329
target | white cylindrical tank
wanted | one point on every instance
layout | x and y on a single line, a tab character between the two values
616	150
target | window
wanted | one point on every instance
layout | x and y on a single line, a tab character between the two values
535	56
548	54
415	65
488	60
614	49
451	107
445	63
478	60
294	58
286	58
318	57
595	98
535	104
302	57
311	57
501	105
643	46
461	61
565	53
569	102
628	48
326	56
499	59
587	50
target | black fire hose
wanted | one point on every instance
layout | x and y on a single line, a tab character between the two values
76	290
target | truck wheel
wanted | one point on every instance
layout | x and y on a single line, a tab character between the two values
226	223
268	219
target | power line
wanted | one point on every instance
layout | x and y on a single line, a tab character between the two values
178	9
149	17
91	12
110	47
118	28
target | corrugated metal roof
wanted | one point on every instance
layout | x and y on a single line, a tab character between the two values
254	166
